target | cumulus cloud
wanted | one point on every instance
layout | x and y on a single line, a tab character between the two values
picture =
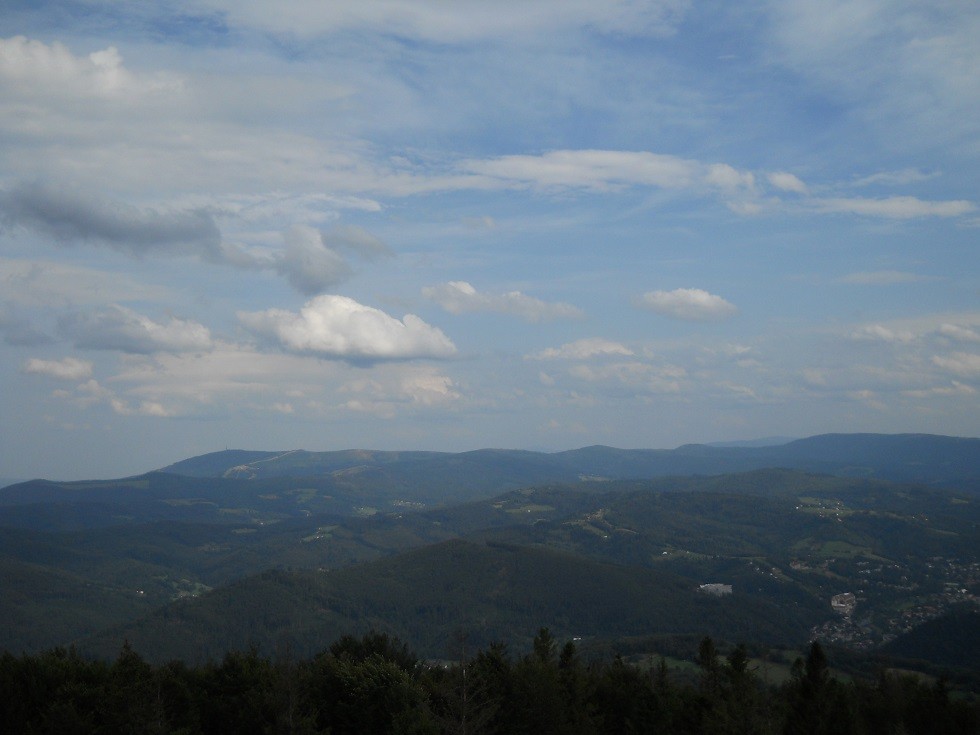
339	327
119	328
70	217
458	297
691	304
903	207
68	368
584	349
787	182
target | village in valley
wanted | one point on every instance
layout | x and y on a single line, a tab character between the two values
860	625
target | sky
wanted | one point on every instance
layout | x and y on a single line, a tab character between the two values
533	224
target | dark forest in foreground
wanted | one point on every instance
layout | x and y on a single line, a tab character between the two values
374	684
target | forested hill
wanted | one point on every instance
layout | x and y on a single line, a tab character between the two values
491	591
919	458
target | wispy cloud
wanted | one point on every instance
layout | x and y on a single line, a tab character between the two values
584	349
68	368
965	364
903	207
120	328
690	304
458	297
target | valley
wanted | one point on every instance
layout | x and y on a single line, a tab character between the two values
492	545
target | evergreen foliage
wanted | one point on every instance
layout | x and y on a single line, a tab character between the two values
374	684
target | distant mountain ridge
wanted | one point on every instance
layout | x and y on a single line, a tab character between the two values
919	458
259	487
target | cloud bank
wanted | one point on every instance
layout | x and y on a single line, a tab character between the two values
70	216
119	328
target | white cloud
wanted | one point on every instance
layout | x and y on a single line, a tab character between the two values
339	327
236	380
877	332
639	375
725	177
894	178
68	368
787	182
119	328
691	304
611	170
143	408
458	297
584	349
959	333
955	388
903	207
36	68
966	364
385	392
223	381
590	169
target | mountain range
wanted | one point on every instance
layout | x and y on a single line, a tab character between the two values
295	548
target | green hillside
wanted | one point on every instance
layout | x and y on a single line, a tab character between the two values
489	591
784	540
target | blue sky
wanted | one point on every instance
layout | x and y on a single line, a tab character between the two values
429	225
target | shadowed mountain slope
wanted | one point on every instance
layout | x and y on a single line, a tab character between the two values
427	596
